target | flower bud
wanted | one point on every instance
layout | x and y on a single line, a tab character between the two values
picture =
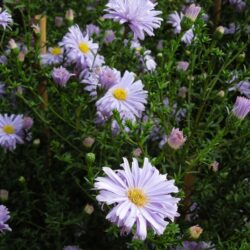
27	122
4	195
69	16
58	21
89	209
176	139
36	142
183	92
12	44
219	32
36	29
221	93
214	166
90	157
137	152
22	179
241	107
195	232
88	142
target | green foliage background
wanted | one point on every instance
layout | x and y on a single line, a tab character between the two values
49	184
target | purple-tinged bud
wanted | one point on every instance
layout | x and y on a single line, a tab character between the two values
58	21
88	142
182	65
183	92
241	107
12	44
27	122
221	93
137	152
109	36
61	76
69	16
192	12
176	139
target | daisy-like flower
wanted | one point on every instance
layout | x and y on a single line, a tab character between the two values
125	96
53	57
243	87
5	18
11	131
79	48
141	197
140	15
4	217
241	107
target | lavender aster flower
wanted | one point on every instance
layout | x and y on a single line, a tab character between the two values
53	57
61	76
176	139
5	18
126	95
241	107
142	197
139	14
149	61
4	217
11	131
175	20
188	37
79	48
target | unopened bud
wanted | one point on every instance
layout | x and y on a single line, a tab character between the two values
22	179
214	166
88	209
12	44
69	16
88	142
137	152
195	232
90	157
4	195
36	142
219	32
221	93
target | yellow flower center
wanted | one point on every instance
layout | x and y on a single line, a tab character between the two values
120	94
8	129
84	47
56	51
137	196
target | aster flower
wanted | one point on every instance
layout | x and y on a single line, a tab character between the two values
188	37
5	18
175	20
4	217
149	61
53	57
61	76
79	48
231	29
11	131
241	107
27	122
140	15
141	197
126	95
239	5
176	139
